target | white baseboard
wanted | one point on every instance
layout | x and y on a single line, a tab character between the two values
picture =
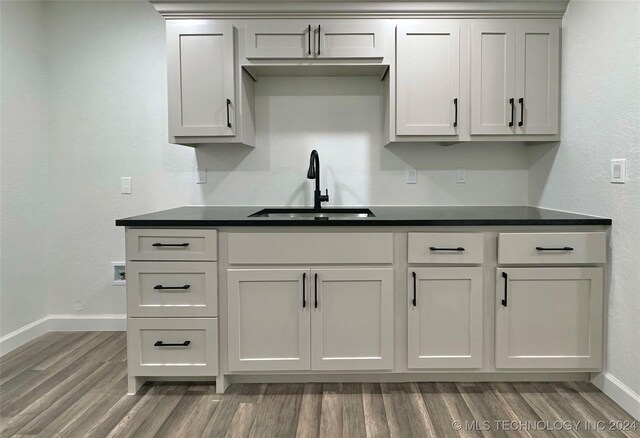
18	338
87	323
619	393
63	323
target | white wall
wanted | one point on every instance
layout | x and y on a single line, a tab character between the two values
601	121
24	202
107	83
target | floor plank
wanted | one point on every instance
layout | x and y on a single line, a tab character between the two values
375	416
310	411
278	412
73	384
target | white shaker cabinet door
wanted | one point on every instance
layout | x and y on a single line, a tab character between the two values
537	77
272	39
445	317
268	320
428	78
349	39
201	79
493	103
549	318
352	319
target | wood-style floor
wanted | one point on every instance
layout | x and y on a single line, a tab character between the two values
73	384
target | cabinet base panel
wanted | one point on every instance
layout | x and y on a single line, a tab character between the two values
401	378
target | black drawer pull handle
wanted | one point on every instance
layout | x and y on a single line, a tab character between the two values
160	245
457	249
559	248
161	287
512	110
309	40
415	287
521	101
455	105
163	344
228	119
304	285
506	281
315	297
319	39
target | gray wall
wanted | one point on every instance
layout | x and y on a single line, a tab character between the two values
601	121
24	202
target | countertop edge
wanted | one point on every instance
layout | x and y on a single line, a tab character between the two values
357	222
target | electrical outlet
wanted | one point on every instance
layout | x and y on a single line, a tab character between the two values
202	176
461	175
618	171
118	274
125	185
412	176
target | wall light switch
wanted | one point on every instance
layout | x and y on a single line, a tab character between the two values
461	175
618	171
125	185
202	176
412	176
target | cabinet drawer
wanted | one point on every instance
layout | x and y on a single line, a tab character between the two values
172	289
310	248
192	349
446	248
551	248
171	244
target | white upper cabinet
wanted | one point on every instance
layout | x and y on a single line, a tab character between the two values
279	39
428	77
492	77
537	77
515	77
347	39
201	79
297	39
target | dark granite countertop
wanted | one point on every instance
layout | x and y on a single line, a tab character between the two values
206	216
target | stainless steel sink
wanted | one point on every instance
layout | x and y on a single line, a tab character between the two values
309	213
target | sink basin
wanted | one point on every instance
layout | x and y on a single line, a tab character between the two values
309	213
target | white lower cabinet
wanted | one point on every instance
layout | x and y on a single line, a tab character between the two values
268	323
445	317
549	318
172	346
301	319
352	319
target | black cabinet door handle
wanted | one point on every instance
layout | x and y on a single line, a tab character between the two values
228	117
161	287
164	344
319	39
309	40
512	110
315	291
455	105
415	287
457	249
160	245
521	102
558	248
304	292
506	281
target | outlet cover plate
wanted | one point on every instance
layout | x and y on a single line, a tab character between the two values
118	274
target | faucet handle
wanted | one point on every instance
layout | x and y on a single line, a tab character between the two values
325	197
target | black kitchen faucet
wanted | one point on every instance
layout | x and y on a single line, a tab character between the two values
314	173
